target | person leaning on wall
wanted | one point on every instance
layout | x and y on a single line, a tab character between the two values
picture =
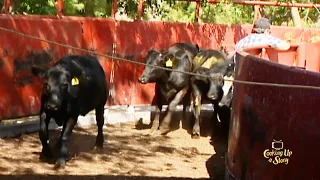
260	36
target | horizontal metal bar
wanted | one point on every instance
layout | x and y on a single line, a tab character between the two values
265	3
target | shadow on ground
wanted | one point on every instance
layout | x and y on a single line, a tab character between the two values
99	177
216	163
210	127
186	122
128	153
219	139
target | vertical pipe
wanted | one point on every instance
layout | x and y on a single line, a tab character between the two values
140	9
296	16
197	10
7	6
257	12
114	8
59	7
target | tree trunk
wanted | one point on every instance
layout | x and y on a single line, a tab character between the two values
89	8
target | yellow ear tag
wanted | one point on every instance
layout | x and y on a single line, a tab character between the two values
169	63
74	81
198	59
209	62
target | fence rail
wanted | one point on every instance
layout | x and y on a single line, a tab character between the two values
59	5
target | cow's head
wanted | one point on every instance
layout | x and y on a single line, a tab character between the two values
151	74
59	83
216	78
216	82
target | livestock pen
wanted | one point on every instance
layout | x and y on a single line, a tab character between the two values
120	47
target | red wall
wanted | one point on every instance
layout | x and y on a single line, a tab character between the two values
20	91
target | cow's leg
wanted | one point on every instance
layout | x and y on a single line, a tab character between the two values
225	110
186	102
157	101
196	111
216	109
100	123
224	115
44	136
164	127
227	92
66	132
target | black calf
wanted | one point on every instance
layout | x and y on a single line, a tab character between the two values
171	87
74	86
215	65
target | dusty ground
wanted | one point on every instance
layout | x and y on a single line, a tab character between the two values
129	153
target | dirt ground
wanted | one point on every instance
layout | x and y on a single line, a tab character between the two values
129	153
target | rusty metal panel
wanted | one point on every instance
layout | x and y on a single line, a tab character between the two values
134	39
312	56
98	35
19	89
288	57
263	116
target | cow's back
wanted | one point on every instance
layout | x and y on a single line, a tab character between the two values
190	48
207	58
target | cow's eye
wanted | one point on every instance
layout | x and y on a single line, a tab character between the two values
46	88
64	87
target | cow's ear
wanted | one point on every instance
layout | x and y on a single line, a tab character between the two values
163	51
197	46
39	72
170	56
151	49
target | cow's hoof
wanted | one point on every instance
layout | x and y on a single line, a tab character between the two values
154	126
99	141
99	144
46	154
60	164
154	132
195	136
98	148
164	131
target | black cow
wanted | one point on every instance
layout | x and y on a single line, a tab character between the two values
215	65
74	86
171	87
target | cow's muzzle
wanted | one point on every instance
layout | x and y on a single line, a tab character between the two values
143	80
52	107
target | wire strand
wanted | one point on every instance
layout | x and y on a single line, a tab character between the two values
167	69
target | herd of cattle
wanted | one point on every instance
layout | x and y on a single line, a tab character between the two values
173	87
77	84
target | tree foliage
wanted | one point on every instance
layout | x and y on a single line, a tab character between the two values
170	10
